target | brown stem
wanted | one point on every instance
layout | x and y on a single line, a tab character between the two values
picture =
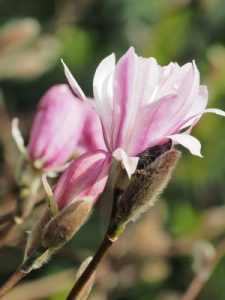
6	217
91	268
109	239
201	278
12	281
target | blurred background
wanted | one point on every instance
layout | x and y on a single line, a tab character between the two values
154	259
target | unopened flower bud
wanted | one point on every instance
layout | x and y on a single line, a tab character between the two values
146	184
66	223
88	285
34	236
56	129
146	157
84	177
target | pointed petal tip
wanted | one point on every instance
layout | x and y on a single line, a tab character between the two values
17	136
73	83
46	185
128	163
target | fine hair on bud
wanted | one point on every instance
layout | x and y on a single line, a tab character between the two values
145	185
83	294
34	237
66	223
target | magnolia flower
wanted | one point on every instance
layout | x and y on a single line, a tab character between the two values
58	129
84	178
142	104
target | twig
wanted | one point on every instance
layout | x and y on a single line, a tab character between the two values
16	277
110	238
202	277
91	268
42	288
6	217
33	258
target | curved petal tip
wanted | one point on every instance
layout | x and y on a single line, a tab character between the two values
188	141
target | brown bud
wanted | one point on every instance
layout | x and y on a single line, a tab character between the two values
66	223
145	185
34	237
83	294
146	158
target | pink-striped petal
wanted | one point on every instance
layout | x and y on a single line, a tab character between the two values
92	136
85	177
197	109
123	91
103	90
57	127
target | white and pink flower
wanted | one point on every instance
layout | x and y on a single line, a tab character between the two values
142	104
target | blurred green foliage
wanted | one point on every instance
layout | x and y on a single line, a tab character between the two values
33	37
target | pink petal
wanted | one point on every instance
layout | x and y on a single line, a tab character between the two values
150	124
188	141
197	108
57	127
129	163
73	83
92	135
144	76
85	177
123	91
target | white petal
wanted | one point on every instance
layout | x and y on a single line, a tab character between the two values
129	163
188	141
17	136
73	83
194	119
102	88
217	111
50	198
104	69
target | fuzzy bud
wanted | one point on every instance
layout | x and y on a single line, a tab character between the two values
145	185
35	235
145	158
66	223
